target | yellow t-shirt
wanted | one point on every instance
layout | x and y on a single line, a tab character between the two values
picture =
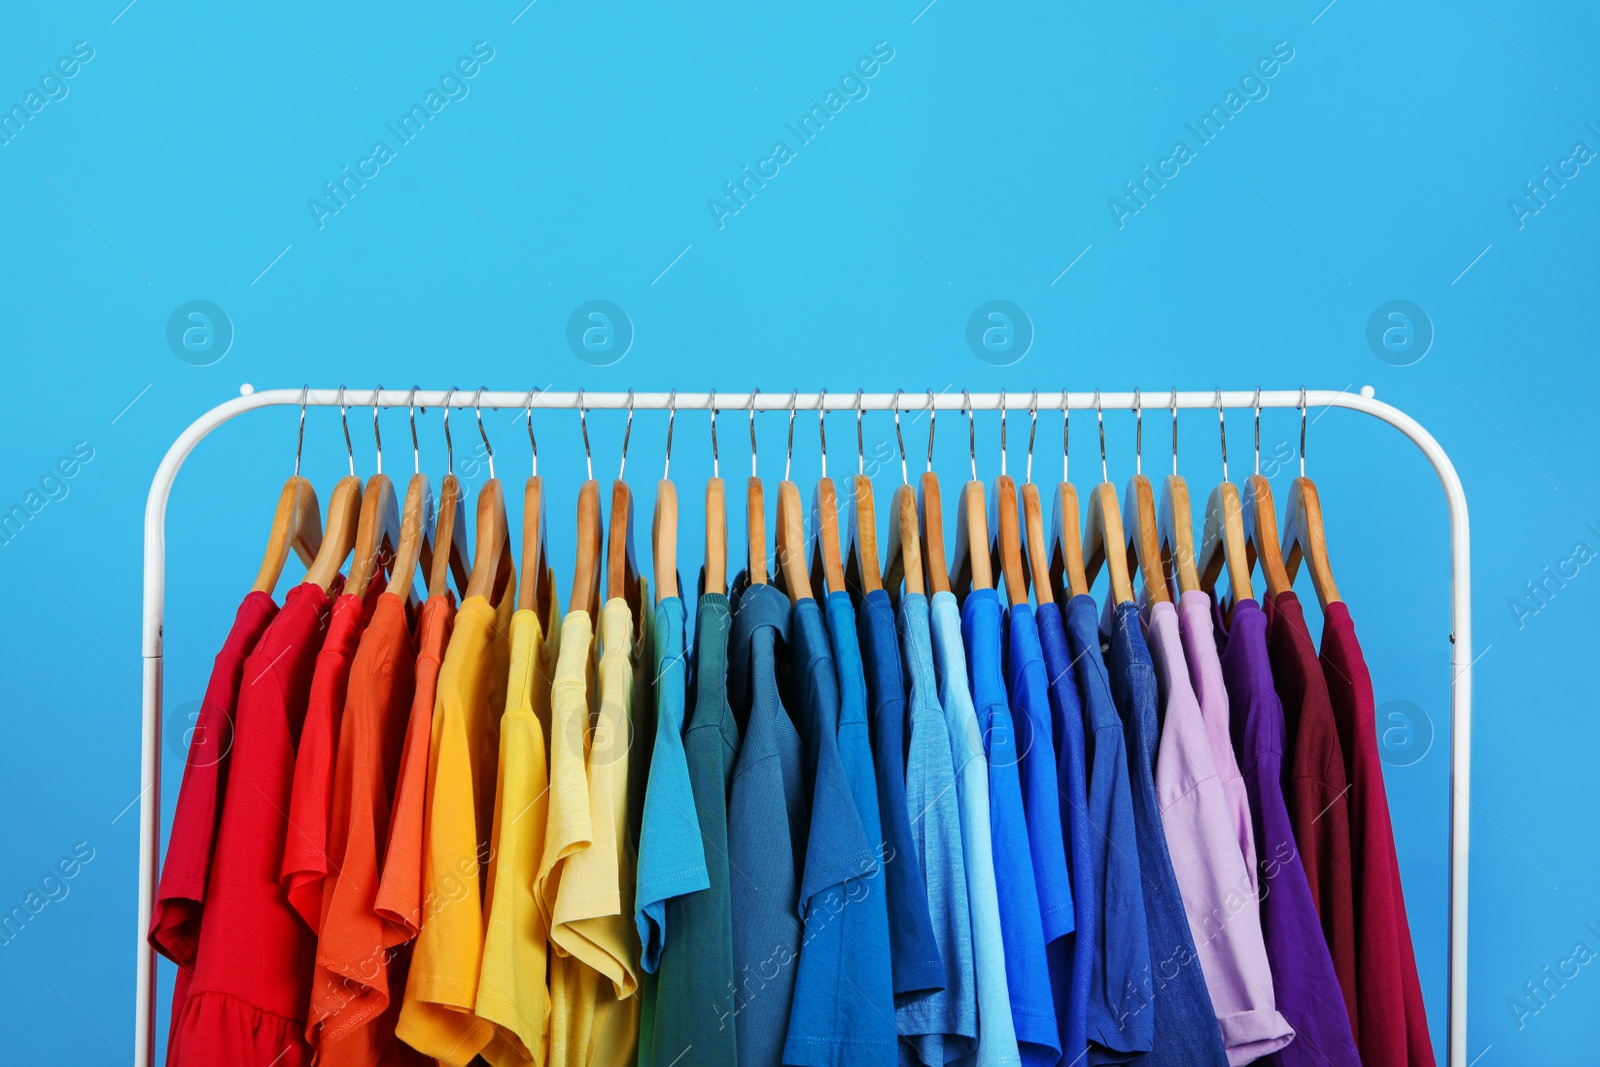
437	1016
512	989
594	1018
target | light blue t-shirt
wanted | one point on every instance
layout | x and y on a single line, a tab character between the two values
940	1026
997	1037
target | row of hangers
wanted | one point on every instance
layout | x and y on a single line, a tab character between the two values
374	532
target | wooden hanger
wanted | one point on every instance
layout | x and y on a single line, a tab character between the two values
791	531
1222	541
904	563
755	508
1033	536
533	593
1261	521
416	523
1303	535
1139	520
930	508
492	570
1105	531
344	516
973	568
450	557
1067	578
714	579
861	553
664	524
378	530
296	521
827	561
622	566
1007	550
591	538
1175	522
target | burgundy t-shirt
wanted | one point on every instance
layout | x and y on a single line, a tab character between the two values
1315	785
1394	1023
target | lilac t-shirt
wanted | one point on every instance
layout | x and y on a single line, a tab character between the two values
1303	979
1205	674
1218	896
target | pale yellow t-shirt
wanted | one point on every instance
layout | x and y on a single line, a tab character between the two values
594	1019
512	989
437	1017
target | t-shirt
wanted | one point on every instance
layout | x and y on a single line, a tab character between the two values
917	967
400	892
1027	975
305	861
246	1001
1394	1021
512	989
997	1037
695	1006
593	919
1186	1031
766	830
672	859
843	1010
1070	971
1218	898
1205	675
1303	979
941	1026
356	989
181	892
1315	783
1119	1026
438	1017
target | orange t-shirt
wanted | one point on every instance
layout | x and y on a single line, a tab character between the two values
399	900
359	975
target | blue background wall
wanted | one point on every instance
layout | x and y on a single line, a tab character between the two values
1378	163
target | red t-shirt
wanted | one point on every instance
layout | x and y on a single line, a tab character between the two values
1394	1023
1316	786
252	973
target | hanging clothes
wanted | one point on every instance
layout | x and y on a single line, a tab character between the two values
358	983
766	830
437	1017
695	1005
672	860
247	998
1027	975
1315	784
1219	901
1303	978
1186	1030
1119	1025
1071	969
1205	675
513	993
943	1026
1394	1021
843	1010
997	1037
175	914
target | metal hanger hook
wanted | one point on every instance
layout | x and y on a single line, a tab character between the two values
1100	418
822	428
627	432
1066	430
1258	430
1174	406
300	437
900	440
1033	430
345	422
972	433
1138	433
477	405
672	417
788	457
416	453
583	423
1002	433
533	445
1222	430
714	460
449	445
861	457
933	415
1302	431
752	407
377	435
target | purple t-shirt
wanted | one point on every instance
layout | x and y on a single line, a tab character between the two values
1218	896
1303	979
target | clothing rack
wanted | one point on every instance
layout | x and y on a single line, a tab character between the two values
1460	635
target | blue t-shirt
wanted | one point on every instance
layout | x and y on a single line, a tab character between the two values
1186	1030
843	1011
997	1038
1119	1025
1027	975
766	830
1070	971
917	967
943	1026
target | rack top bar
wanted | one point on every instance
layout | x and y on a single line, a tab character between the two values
843	400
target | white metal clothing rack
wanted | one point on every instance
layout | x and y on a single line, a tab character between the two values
1460	582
